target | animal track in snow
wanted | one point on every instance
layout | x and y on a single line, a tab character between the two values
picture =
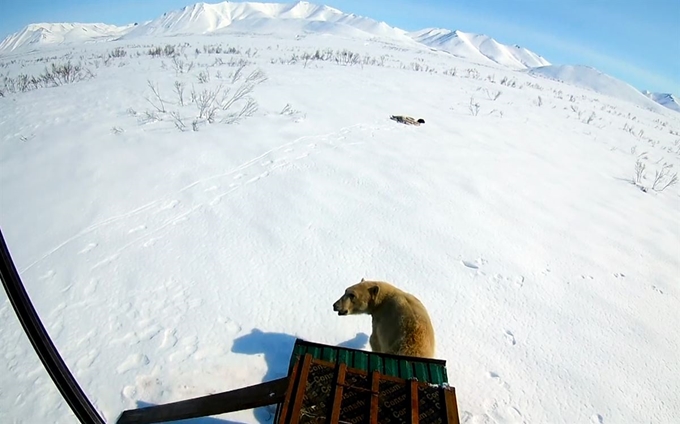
188	347
105	261
149	242
46	276
502	413
470	265
132	362
91	287
497	378
518	281
137	229
619	275
129	392
656	289
510	337
88	359
597	419
150	332
169	339
170	205
232	327
270	160
87	248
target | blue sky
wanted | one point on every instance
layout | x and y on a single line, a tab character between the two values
636	41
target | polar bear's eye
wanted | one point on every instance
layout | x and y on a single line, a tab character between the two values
351	296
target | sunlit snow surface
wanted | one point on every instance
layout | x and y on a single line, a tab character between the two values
172	264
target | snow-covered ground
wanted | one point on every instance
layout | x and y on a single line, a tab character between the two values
170	264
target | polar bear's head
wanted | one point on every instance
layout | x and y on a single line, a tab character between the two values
358	299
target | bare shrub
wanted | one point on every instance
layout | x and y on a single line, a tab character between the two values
508	82
347	58
590	118
179	89
169	50
247	110
65	73
663	178
203	77
209	102
155	52
178	65
237	74
473	107
639	173
159	105
118	52
493	94
151	116
177	120
288	110
206	102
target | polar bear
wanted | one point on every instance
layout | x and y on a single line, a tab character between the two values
401	324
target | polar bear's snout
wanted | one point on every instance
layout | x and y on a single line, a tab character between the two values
338	307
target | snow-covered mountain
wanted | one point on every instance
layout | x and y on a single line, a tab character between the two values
203	18
590	78
479	48
670	101
305	17
36	35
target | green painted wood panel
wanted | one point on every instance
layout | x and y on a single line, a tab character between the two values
405	370
375	363
391	367
426	370
420	371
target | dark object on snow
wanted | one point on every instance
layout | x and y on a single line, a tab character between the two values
332	384
44	348
407	120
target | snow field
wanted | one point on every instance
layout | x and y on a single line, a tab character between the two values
171	264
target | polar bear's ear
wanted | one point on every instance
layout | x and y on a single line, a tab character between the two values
373	291
362	280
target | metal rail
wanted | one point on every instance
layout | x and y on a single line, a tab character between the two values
47	352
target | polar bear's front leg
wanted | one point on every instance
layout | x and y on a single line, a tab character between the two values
375	346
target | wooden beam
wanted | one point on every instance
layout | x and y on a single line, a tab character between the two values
236	400
337	399
300	391
414	401
451	406
375	396
289	392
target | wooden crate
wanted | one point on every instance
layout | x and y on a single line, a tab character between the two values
331	392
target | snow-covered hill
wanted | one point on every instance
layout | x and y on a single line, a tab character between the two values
479	48
590	78
203	18
45	34
670	101
172	257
